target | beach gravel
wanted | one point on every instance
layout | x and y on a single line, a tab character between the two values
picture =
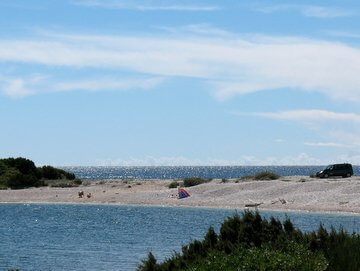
295	193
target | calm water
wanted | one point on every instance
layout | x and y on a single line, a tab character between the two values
216	172
98	237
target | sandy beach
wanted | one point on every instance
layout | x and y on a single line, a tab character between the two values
299	193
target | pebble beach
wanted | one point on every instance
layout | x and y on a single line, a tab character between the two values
295	193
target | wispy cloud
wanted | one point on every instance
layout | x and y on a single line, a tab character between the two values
198	29
326	144
101	84
308	10
144	5
237	65
305	115
18	87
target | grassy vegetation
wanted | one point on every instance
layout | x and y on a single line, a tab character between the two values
21	172
246	178
63	183
261	176
194	181
249	242
173	184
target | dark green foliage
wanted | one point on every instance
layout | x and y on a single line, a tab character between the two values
249	242
24	165
173	184
78	181
211	239
20	173
51	173
149	264
261	176
194	181
294	257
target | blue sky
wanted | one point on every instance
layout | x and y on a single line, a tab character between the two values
151	82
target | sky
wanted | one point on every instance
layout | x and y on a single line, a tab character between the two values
179	82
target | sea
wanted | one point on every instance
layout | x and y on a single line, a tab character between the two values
111	237
178	172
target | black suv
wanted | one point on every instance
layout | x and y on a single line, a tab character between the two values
343	170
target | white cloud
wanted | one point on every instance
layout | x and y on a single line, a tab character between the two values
144	5
326	144
305	115
100	84
308	10
232	66
338	130
198	29
17	87
324	12
351	138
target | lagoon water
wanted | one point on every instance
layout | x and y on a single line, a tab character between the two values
107	237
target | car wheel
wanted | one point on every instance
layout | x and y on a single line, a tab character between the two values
326	176
348	175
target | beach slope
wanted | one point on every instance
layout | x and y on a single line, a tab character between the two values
288	193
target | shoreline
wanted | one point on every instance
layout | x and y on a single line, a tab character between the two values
288	194
294	211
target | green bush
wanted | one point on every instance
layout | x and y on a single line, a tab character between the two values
296	257
77	181
13	178
173	184
194	181
246	178
266	176
51	173
22	173
249	242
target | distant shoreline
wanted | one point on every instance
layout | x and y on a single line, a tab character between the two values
291	194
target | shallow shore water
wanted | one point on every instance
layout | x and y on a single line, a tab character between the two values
113	237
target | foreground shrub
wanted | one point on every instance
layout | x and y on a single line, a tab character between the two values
194	181
266	176
249	242
295	257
